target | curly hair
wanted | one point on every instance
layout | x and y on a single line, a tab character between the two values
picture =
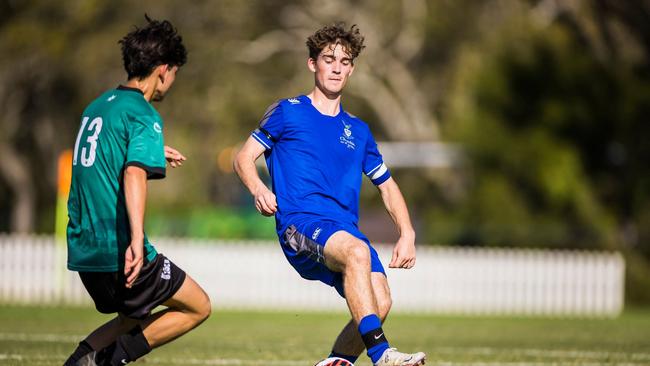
351	40
158	43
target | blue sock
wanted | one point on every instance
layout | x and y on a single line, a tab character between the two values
373	336
352	359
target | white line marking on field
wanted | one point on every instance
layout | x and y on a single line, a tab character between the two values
229	362
32	337
7	356
543	353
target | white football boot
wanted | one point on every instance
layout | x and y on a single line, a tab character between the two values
392	357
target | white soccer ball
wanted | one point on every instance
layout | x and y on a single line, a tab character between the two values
334	361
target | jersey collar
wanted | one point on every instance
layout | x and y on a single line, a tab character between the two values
305	99
127	88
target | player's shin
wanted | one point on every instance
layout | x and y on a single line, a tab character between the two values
373	336
129	347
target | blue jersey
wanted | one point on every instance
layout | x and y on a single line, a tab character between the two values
316	161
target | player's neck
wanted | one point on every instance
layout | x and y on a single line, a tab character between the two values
146	85
327	105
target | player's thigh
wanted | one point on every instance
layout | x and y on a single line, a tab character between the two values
342	248
190	297
382	292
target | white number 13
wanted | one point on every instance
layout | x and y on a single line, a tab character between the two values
88	152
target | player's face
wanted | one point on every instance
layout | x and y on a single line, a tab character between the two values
165	80
331	69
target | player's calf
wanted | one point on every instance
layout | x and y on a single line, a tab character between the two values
384	304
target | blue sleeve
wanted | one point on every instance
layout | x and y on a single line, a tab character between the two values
271	126
373	163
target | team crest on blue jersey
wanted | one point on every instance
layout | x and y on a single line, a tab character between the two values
346	138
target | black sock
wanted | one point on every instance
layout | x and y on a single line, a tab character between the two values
129	347
82	349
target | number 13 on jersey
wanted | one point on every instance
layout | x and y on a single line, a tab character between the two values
90	145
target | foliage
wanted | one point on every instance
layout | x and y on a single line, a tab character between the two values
552	144
211	222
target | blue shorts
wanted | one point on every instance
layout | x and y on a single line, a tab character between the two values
304	244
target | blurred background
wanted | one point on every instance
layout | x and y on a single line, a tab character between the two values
509	123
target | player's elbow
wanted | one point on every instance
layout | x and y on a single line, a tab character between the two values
237	162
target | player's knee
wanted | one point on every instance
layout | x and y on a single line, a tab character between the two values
124	322
204	309
358	254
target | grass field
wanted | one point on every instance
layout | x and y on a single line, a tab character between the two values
45	336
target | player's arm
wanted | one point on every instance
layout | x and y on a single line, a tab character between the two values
404	251
244	165
135	194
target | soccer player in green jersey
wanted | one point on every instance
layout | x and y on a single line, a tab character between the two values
118	148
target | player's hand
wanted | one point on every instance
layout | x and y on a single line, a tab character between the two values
174	157
265	202
404	253
133	261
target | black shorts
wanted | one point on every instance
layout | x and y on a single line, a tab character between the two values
157	282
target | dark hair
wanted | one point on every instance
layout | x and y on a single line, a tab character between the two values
351	40
156	44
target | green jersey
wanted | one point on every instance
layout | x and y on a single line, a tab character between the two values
118	129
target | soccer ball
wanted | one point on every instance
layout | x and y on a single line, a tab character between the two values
334	361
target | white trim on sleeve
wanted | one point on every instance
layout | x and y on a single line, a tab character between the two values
379	172
260	140
373	169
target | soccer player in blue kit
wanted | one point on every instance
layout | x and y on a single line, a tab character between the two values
315	152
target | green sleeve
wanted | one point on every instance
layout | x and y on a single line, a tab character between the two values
146	146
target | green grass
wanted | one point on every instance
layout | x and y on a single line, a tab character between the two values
45	336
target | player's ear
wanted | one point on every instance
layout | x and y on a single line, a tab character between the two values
162	70
311	64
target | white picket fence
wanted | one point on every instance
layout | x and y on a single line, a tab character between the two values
255	275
